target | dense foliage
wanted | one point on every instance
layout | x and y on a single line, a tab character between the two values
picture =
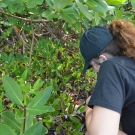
42	89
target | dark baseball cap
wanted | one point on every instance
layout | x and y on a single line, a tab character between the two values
93	41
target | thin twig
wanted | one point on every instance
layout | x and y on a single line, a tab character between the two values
32	44
48	28
24	19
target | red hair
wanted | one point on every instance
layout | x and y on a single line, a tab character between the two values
124	34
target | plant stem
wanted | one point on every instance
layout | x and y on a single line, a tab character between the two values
24	122
24	19
32	44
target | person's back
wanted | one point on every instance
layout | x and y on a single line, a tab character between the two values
118	92
113	99
128	111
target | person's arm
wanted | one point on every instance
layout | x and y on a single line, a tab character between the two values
102	121
121	133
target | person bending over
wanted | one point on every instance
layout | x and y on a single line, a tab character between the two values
113	100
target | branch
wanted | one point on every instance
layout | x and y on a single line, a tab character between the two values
32	44
24	19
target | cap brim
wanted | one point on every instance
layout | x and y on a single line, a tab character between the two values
86	66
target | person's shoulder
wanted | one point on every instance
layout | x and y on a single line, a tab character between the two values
122	61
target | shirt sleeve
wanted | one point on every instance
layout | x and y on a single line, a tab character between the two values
109	91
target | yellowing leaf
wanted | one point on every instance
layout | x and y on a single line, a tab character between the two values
115	2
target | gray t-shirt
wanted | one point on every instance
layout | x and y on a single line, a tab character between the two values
115	90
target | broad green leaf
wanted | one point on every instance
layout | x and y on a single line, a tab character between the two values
12	90
11	55
49	3
17	8
84	10
13	21
133	3
9	119
86	24
39	2
74	120
97	18
6	3
78	133
44	131
60	4
19	119
31	3
40	110
101	5
41	98
29	121
68	17
58	128
78	26
6	130
116	2
118	14
91	4
68	124
1	106
24	75
48	14
70	109
38	84
70	8
82	109
111	8
4	56
35	129
11	9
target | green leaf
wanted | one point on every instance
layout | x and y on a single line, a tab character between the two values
69	8
97	18
6	130
38	84
70	109
11	56
44	130
116	2
68	17
4	56
35	129
31	3
39	2
74	120
41	98
60	4
6	3
1	106
24	75
86	24
84	10
49	3
68	124
9	119
82	109
133	3
12	90
101	5
78	133
78	26
29	121
48	14
91	4
118	14
40	110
